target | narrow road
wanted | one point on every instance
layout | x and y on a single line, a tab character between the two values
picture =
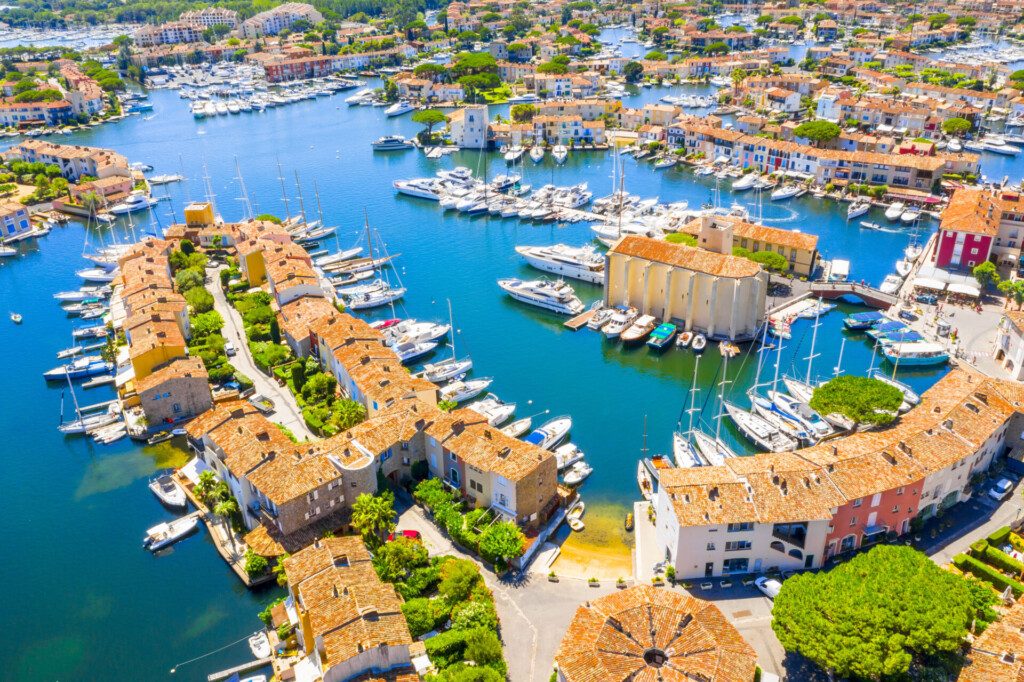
286	412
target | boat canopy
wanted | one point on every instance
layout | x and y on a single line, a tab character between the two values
840	268
535	438
965	289
904	337
870	316
918	348
890	326
929	283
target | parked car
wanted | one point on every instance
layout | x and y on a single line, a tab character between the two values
769	587
410	534
229	349
1001	490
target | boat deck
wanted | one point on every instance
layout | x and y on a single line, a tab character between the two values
580	320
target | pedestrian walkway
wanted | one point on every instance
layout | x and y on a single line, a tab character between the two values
286	411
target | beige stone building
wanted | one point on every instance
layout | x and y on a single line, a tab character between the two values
174	392
700	289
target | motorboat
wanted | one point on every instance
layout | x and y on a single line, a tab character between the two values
577	473
407	351
518	427
746	182
566	455
954	145
167	533
361	289
699	343
891	284
683	339
862	321
621	320
338	257
165	179
915	353
666	162
136	201
459	391
375	299
802	412
444	370
903	267
93	332
911	215
391	143
259	645
398	108
639	330
421	188
80	368
760	431
662	336
536	153
98	274
16	318
785	192
7	251
412	330
910	397
578	262
513	153
69	352
168	491
555	296
600	318
895	210
857	209
493	409
574	517
551	434
559	153
913	252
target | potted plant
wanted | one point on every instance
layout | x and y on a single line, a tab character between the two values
593	582
620	583
552	577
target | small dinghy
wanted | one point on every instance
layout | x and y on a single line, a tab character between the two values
260	645
166	534
578	473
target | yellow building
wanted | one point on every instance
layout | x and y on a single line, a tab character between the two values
800	249
700	289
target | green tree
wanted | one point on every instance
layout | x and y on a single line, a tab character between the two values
656	56
206	485
1013	289
255	565
429	118
199	299
501	543
484	648
206	323
772	261
521	113
458	578
474	614
395	560
280	575
862	399
347	413
319	388
633	72
268	217
956	126
873	616
224	510
817	131
986	274
374	516
188	279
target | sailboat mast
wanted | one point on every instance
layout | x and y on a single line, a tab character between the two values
319	208
778	361
693	393
74	398
451	325
245	193
721	398
839	363
814	337
284	192
298	191
369	242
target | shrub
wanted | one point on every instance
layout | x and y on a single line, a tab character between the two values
475	614
1003	561
265	615
255	565
447	648
431	493
999	537
458	578
424	615
420	581
969	564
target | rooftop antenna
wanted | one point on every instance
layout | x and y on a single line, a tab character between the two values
245	193
284	192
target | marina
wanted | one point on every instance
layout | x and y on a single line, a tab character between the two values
501	274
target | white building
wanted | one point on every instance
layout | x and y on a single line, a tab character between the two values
468	127
170	33
210	16
273	21
1010	344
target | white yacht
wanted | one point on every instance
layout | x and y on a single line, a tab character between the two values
513	153
391	143
136	201
536	153
895	210
493	409
891	284
566	455
398	108
407	351
785	192
559	153
556	296
551	433
422	188
578	262
460	391
620	321
857	209
759	431
375	299
166	534
746	182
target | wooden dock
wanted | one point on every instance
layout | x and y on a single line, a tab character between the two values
581	320
244	667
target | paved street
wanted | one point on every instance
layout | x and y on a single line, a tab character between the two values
286	412
968	521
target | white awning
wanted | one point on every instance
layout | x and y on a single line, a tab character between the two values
929	283
965	289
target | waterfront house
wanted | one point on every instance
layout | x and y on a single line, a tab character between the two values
704	289
468	127
968	229
208	17
640	632
350	623
74	161
170	33
23	114
794	510
1009	351
14	220
174	392
800	249
298	316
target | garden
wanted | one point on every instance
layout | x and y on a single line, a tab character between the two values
207	343
996	560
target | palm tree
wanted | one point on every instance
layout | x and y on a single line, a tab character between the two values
206	485
374	516
224	510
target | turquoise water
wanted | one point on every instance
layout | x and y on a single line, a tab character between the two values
87	598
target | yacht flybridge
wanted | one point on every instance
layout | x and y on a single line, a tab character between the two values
556	296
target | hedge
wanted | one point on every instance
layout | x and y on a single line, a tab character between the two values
447	648
978	547
999	537
1003	561
988	574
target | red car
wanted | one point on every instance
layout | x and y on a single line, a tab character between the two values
410	534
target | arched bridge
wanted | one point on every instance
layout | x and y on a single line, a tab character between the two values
871	296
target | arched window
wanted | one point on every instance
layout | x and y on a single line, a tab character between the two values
796	554
778	546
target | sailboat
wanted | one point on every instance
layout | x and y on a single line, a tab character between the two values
767	410
448	368
86	420
713	449
683	450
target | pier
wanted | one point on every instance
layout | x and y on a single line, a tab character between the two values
244	667
580	320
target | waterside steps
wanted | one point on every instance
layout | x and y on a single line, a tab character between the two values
580	320
245	667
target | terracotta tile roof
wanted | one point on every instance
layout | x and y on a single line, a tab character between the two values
686	257
349	608
468	435
1016	318
617	637
987	660
762	233
973	211
179	368
297	316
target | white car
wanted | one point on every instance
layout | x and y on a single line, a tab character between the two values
769	587
229	349
1001	490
